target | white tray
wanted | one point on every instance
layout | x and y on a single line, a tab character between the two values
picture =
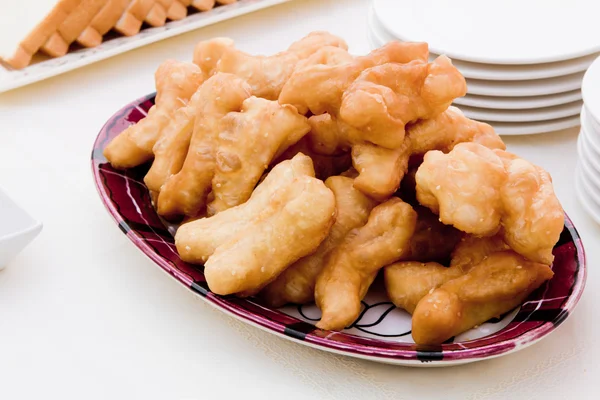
11	79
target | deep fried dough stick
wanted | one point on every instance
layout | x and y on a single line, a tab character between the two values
258	254
319	88
327	55
383	99
479	191
247	143
176	82
491	288
533	217
297	283
266	75
380	169
197	240
353	265
185	192
407	282
448	129
213	99
463	187
471	250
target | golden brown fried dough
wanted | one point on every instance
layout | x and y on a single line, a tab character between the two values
380	170
326	136
247	143
463	187
315	41
208	53
176	82
479	191
353	265
186	191
328	55
258	254
495	286
533	217
319	88
197	240
407	282
213	99
383	99
266	75
471	250
297	283
449	128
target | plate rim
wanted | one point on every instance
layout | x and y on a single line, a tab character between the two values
518	103
534	127
414	357
376	30
506	61
523	115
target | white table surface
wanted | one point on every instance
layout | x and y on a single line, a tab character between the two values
84	315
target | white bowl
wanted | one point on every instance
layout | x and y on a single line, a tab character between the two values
17	229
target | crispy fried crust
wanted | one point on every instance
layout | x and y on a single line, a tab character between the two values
495	286
297	283
352	266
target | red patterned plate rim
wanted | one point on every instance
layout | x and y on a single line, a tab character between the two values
128	202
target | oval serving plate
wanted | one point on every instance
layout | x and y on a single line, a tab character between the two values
382	332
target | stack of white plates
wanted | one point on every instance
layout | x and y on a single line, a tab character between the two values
523	60
587	181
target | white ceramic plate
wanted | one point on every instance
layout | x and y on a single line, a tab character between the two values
539	114
518	103
531	128
538	87
502	32
56	66
592	136
495	72
591	149
17	229
590	89
590	164
589	204
588	181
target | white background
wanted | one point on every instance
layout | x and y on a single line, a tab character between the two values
84	315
